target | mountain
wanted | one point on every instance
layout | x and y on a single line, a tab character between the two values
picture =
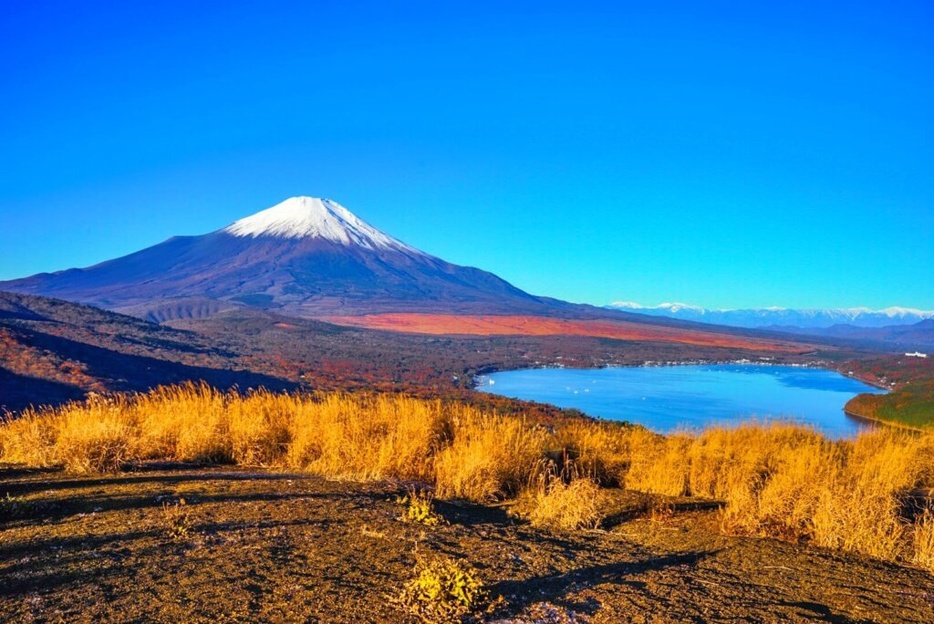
776	318
53	351
912	337
303	257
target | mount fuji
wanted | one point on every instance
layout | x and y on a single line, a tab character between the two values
302	257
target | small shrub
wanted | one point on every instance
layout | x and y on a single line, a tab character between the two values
566	506
177	520
601	450
443	590
660	509
419	507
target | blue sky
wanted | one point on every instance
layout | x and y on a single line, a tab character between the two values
722	154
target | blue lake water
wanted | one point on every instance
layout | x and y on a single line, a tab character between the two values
669	398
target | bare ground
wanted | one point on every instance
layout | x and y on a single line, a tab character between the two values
270	547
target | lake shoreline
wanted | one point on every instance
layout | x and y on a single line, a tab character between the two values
693	395
881	421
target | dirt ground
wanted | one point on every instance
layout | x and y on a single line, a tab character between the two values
266	547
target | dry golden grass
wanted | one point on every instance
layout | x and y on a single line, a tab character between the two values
776	479
488	457
659	464
601	450
923	541
566	506
365	437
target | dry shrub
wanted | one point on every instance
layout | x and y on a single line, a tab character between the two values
566	506
659	464
94	437
260	427
789	482
189	422
366	437
861	504
418	429
489	457
923	535
176	520
419	507
763	472
29	439
599	449
722	458
779	479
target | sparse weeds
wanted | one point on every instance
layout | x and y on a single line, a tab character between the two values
366	531
660	509
419	507
444	590
15	507
176	518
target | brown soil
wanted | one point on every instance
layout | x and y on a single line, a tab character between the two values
285	547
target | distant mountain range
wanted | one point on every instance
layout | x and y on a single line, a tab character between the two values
773	318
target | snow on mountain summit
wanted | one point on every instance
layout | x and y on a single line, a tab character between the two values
776	316
301	217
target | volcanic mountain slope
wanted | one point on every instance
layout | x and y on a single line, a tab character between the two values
302	257
53	351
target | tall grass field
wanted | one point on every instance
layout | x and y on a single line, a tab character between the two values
867	495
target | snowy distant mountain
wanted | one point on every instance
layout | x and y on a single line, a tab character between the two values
304	257
782	317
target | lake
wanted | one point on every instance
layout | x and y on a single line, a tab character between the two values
669	398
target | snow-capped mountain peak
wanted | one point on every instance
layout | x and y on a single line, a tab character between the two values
301	217
674	307
679	307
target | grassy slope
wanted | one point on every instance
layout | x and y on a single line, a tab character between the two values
911	401
911	405
779	480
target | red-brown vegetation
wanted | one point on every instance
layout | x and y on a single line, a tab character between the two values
490	325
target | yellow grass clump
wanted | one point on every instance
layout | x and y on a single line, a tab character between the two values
601	450
567	506
659	464
366	437
488	457
923	541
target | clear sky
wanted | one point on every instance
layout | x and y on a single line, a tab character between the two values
722	154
